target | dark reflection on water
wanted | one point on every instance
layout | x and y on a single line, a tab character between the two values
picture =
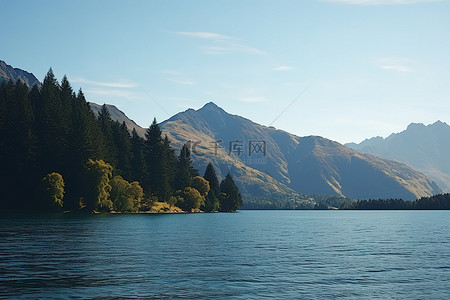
250	254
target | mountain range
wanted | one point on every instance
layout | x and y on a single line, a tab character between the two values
312	165
267	162
425	148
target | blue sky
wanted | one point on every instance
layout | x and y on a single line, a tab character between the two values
342	69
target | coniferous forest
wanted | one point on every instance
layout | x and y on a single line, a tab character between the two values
56	155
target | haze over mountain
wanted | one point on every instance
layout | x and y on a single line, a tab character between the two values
7	72
425	148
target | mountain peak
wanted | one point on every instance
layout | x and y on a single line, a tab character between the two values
211	106
439	123
415	125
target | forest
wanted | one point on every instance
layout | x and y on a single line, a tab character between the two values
325	202
56	155
436	202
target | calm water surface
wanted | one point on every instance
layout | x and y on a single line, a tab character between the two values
244	255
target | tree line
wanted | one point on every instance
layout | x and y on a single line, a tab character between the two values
436	202
57	155
326	202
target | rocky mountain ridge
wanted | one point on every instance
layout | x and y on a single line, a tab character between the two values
7	72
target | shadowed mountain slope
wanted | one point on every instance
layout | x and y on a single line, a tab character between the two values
425	148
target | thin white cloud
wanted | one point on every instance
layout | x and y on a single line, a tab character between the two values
206	35
185	82
113	93
284	68
114	84
397	68
220	43
380	2
232	48
397	64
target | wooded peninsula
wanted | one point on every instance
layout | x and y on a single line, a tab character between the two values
56	155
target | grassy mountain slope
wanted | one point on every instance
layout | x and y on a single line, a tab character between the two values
312	165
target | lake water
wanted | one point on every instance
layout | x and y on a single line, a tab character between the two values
244	255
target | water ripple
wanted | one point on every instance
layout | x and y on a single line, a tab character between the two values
248	255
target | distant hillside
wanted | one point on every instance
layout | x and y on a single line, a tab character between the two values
311	165
425	148
9	73
118	115
319	165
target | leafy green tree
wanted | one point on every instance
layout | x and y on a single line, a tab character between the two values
119	195
190	199
230	198
126	196
52	191
98	175
136	193
201	185
175	199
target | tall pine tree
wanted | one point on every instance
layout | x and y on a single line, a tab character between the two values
138	167
212	198
106	124
230	198
185	171
157	181
122	144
